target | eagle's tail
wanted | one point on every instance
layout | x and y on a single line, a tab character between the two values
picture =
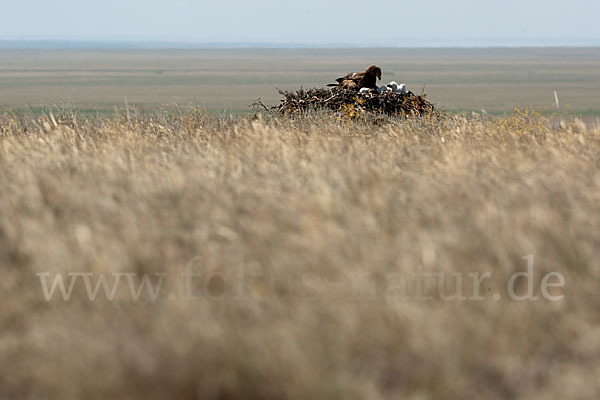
333	84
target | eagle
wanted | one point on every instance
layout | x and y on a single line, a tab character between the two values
359	80
398	88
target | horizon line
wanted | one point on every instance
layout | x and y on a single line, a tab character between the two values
60	44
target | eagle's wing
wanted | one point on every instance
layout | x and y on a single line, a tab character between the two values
353	81
352	76
349	84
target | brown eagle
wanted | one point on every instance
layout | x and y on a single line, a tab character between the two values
358	80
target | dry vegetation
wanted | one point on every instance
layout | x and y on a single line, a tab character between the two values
319	217
349	103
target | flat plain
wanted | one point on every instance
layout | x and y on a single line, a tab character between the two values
496	80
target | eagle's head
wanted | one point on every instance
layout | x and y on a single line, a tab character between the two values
373	69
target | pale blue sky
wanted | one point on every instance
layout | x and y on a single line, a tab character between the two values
382	22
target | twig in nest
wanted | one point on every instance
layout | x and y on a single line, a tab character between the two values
258	103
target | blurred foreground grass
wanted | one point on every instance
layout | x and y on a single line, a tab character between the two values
308	239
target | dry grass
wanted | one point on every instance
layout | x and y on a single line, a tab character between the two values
319	217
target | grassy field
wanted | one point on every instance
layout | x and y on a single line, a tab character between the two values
456	79
288	258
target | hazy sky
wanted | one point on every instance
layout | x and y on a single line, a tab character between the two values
382	22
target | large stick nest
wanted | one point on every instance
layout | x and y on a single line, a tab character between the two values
353	104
